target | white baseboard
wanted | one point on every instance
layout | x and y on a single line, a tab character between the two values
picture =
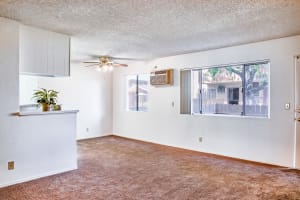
22	180
92	137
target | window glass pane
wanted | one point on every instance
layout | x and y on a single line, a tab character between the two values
196	96
131	92
222	90
143	91
257	89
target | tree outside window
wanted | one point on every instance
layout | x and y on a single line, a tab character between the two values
234	90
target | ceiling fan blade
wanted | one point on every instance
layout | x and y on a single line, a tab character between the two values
115	58
118	58
90	62
119	65
92	65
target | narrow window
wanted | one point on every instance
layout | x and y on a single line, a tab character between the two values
137	92
257	89
143	91
196	91
131	92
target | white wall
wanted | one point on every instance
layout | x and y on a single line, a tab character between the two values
39	145
42	146
88	91
9	60
264	140
27	85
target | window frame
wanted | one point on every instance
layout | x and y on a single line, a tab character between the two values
243	113
137	107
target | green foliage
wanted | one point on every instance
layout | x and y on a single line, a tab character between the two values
45	96
213	71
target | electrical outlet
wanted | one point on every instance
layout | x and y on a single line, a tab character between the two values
200	139
11	165
87	129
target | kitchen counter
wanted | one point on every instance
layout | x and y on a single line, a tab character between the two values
30	113
47	141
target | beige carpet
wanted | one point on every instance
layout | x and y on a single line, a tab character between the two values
113	168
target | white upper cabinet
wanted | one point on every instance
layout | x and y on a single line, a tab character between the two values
43	52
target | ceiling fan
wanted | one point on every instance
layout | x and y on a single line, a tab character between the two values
106	63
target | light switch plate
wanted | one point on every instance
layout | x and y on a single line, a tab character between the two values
287	106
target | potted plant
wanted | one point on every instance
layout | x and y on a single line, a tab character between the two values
45	98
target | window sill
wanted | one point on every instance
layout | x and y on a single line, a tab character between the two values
231	116
137	111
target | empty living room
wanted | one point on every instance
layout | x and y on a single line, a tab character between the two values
150	100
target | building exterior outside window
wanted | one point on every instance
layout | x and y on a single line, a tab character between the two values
232	90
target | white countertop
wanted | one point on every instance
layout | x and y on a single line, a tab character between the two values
28	113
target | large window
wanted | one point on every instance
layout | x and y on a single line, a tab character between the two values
231	90
137	92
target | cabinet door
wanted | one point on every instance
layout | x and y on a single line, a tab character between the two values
51	52
26	50
33	51
66	50
44	53
60	55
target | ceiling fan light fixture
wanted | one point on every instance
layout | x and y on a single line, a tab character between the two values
105	67
105	64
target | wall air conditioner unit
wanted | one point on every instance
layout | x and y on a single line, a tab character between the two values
161	77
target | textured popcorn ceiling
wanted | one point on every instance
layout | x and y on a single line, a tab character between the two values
156	28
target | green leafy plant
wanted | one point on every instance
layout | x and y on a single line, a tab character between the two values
44	96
